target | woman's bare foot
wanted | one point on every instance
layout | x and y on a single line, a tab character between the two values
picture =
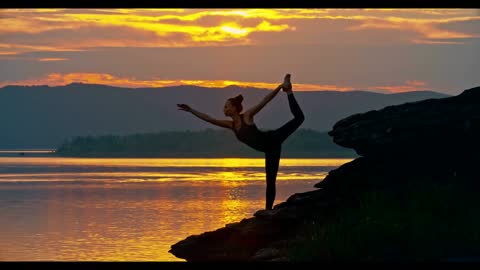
287	85
265	212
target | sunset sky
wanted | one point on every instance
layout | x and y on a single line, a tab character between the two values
385	50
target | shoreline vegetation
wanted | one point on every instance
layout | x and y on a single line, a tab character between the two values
209	143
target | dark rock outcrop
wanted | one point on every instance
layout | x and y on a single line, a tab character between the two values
416	129
263	237
432	142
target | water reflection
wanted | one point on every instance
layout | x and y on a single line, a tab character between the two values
79	210
166	162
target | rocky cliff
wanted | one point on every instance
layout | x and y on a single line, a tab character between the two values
412	195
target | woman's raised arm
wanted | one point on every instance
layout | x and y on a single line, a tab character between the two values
206	117
255	109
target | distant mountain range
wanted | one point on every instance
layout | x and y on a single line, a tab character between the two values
45	117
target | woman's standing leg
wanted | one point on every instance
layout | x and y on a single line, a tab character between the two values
272	161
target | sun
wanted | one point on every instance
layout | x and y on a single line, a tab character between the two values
234	30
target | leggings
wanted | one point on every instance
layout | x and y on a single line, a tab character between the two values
272	155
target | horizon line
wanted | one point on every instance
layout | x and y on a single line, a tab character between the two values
56	79
245	86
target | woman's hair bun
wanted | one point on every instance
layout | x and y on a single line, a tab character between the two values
239	98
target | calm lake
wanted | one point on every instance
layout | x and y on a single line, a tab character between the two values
131	209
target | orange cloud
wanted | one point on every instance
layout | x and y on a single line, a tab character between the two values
422	41
12	49
15	56
409	86
56	79
427	28
51	59
214	27
227	29
415	11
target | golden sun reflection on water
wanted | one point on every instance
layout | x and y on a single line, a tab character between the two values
131	209
169	162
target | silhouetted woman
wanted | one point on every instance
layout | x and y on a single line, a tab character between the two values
269	142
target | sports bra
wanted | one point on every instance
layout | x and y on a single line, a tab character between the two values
250	135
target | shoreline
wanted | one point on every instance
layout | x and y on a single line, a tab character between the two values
53	153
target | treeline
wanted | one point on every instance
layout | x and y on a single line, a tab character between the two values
206	143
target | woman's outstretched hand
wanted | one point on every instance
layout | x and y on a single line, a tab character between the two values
184	107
